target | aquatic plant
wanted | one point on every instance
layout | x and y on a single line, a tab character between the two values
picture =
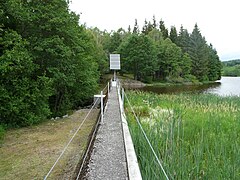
195	136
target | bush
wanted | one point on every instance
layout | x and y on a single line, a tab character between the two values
174	79
2	133
190	78
147	79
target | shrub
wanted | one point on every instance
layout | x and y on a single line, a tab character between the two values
2	133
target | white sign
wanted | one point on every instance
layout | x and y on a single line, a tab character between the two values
115	61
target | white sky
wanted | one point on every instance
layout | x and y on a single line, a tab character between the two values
218	20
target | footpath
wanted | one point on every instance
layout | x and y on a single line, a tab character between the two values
108	158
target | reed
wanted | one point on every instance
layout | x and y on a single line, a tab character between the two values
195	136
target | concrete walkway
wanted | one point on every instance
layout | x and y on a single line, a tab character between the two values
108	159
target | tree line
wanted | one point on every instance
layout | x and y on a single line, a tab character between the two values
231	68
155	53
49	63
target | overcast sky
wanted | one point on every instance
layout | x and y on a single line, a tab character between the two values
218	20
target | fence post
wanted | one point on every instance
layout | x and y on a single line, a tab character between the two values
123	96
101	106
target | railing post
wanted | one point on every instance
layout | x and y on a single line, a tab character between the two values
101	106
123	97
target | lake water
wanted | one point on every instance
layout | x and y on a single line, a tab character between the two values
227	86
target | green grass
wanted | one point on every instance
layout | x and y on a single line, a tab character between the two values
194	136
30	152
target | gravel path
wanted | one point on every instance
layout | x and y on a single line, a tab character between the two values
108	160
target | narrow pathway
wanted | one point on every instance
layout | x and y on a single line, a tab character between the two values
108	159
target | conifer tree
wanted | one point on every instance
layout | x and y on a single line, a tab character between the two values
183	40
199	54
163	29
173	34
214	64
136	27
154	24
138	55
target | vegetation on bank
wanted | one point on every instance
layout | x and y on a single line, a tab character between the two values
154	54
231	68
195	136
50	63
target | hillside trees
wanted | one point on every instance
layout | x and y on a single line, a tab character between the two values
231	67
48	62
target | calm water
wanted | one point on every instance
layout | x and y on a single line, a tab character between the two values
227	86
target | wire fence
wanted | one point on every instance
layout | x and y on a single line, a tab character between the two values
103	100
121	91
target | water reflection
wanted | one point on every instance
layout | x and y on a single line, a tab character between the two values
180	88
230	86
227	86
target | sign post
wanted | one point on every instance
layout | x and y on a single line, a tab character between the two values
114	65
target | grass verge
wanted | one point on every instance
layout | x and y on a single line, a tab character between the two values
29	153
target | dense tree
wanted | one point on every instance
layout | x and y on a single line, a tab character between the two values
154	24
232	62
169	59
23	95
148	27
138	56
182	55
199	54
163	29
102	40
183	40
214	64
173	34
186	65
145	26
136	27
156	36
48	62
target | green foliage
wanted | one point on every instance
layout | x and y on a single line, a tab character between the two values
231	68
138	56
173	35
2	133
23	96
169	59
184	40
231	71
48	64
214	65
199	55
232	62
163	29
194	136
177	55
